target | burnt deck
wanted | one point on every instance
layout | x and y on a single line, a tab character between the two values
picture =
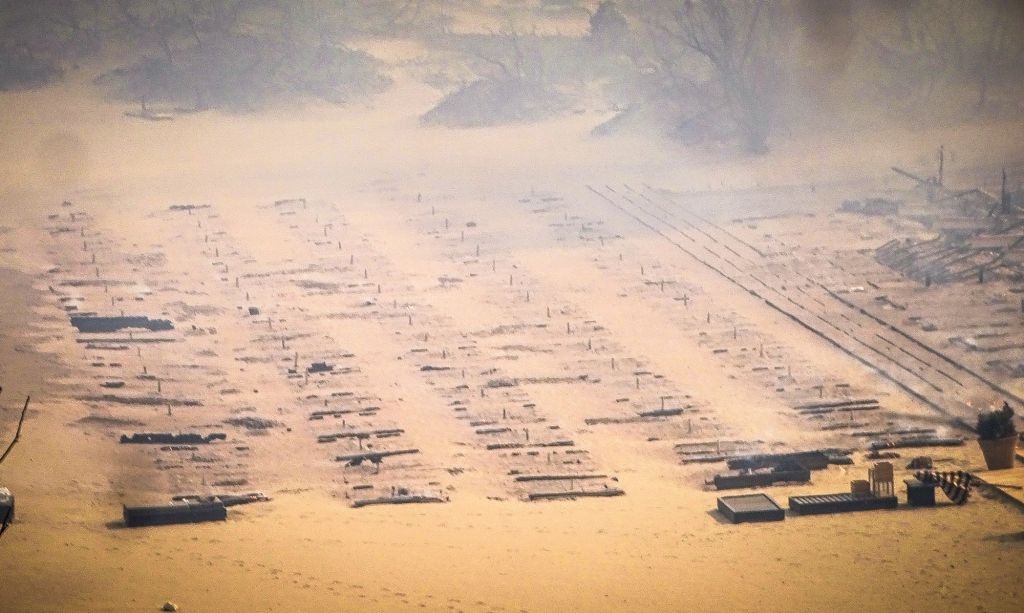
181	513
761	479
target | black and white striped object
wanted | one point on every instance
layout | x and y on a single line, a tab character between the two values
956	484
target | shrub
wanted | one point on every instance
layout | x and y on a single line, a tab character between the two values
996	424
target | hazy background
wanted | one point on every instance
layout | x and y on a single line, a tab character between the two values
730	74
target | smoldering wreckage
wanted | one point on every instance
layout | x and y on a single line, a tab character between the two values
978	235
598	283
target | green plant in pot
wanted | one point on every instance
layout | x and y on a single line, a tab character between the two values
997	437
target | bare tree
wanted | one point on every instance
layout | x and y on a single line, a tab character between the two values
510	54
1001	50
38	38
609	28
722	48
945	49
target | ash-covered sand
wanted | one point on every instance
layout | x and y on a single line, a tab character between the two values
469	291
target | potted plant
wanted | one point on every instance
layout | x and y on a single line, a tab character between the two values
997	437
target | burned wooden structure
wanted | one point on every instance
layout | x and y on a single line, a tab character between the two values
844	502
228	500
825	407
184	512
397	499
810	460
910	442
958	254
360	435
750	508
570	478
374	457
606	492
793	474
95	324
877	492
979	234
316	367
708	452
766	469
338	413
166	438
871	206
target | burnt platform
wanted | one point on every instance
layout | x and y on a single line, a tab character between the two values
810	460
166	438
761	479
181	513
750	507
839	503
96	324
